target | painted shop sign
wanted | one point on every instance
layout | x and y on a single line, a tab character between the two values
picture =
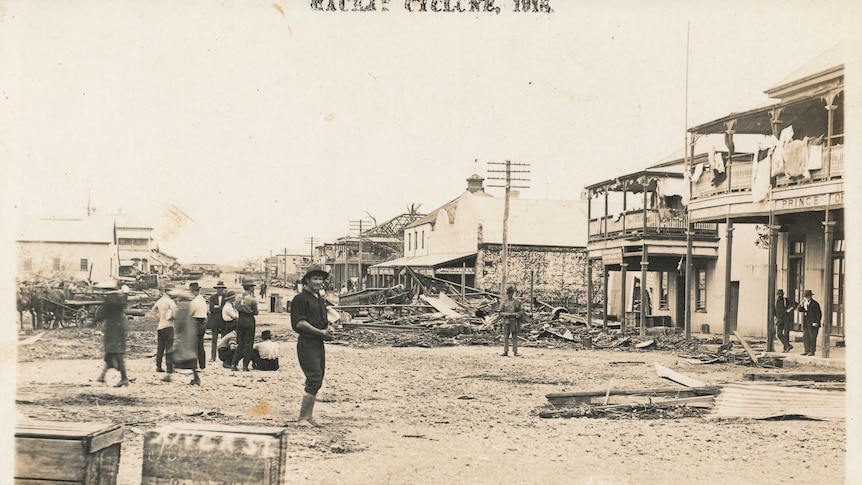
468	270
812	201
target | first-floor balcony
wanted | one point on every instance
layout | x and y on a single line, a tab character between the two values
739	176
652	223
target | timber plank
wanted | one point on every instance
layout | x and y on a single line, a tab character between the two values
746	347
677	377
795	376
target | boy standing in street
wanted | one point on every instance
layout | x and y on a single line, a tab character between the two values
308	319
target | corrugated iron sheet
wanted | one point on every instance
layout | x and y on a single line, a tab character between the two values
761	401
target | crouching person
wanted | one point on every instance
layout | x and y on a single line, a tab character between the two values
264	354
226	349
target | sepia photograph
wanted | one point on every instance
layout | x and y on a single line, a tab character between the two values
430	242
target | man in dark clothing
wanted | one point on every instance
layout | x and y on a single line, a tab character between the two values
308	319
247	308
784	319
112	313
214	320
811	317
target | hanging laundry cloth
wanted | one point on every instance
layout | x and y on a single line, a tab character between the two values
815	157
796	159
698	171
719	163
786	135
760	178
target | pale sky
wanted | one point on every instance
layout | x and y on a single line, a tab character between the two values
269	123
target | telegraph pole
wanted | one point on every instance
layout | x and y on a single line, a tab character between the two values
310	241
508	179
357	226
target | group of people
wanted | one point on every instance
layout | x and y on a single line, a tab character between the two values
185	315
811	317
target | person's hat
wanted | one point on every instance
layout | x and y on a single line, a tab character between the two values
266	335
230	295
510	290
248	282
807	293
315	270
220	284
194	285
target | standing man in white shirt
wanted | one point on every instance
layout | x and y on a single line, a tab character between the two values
165	308
198	313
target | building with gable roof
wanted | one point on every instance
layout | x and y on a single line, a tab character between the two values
78	249
461	242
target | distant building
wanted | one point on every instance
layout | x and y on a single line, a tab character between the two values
286	267
350	257
134	245
67	249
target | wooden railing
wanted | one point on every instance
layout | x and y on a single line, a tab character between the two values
661	223
738	178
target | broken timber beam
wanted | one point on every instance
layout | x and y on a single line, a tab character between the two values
560	398
674	376
746	347
803	376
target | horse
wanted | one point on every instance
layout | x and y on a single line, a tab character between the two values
51	307
23	301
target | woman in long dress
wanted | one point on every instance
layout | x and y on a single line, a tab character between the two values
184	352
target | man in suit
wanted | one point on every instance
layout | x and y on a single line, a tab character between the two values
784	318
214	321
811	317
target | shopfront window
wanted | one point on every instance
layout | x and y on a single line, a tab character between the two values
700	295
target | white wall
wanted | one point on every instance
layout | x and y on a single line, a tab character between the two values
102	257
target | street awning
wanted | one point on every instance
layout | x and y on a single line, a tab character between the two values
428	261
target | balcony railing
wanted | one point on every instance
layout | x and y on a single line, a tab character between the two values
660	223
738	178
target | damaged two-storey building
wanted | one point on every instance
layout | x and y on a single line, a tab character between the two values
792	187
704	241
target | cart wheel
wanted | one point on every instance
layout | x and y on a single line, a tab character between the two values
378	299
81	317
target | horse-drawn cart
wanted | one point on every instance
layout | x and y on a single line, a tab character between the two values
71	312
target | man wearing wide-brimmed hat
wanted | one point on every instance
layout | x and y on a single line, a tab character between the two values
247	308
308	319
811	316
214	320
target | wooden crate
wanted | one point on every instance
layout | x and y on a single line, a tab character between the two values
53	452
189	454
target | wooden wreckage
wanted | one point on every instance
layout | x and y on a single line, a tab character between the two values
765	395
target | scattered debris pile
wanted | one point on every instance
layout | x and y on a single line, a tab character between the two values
787	396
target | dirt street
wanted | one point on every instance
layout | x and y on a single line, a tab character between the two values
454	414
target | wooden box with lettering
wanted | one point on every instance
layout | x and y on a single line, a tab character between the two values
190	454
56	452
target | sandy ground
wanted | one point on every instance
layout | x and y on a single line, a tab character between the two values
457	414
